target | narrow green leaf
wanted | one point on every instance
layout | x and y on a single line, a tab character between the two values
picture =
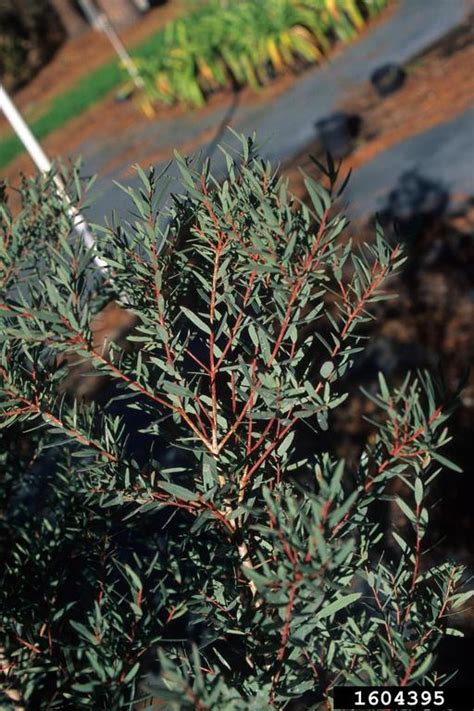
196	320
327	369
178	491
338	604
418	491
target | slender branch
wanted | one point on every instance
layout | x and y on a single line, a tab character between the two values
135	385
34	408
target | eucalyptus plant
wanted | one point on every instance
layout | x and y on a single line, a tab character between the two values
189	538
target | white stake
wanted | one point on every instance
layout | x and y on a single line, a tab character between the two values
100	21
43	163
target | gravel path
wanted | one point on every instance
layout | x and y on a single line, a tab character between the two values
444	156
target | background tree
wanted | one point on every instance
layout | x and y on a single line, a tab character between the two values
30	33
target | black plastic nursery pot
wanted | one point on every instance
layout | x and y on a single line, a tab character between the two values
387	79
336	134
415	203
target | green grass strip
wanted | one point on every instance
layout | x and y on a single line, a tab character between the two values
65	107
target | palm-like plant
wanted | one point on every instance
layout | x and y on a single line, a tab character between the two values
243	41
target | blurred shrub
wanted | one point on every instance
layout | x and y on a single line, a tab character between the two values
246	42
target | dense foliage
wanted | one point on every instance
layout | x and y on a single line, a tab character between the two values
189	536
244	42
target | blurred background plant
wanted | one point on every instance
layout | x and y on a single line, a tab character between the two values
246	42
